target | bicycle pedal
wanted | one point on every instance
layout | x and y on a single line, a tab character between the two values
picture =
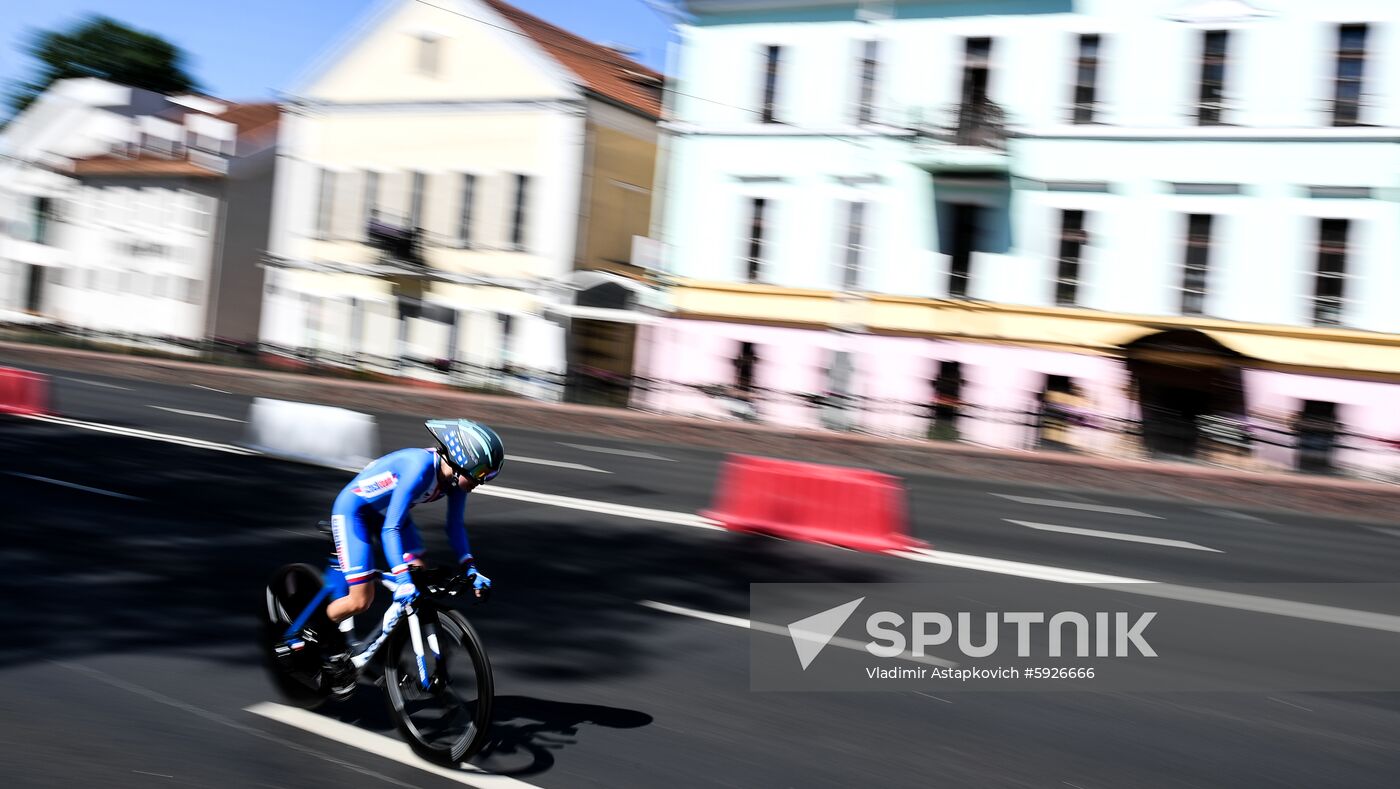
344	692
286	649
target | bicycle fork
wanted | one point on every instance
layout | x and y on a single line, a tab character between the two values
422	632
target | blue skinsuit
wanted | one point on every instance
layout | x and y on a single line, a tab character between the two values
379	497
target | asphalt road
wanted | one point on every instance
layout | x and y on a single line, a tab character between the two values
130	602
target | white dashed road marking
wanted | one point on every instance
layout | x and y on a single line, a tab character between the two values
764	627
200	414
555	463
76	486
96	383
631	453
1077	505
1113	535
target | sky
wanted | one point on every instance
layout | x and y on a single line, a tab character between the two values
254	48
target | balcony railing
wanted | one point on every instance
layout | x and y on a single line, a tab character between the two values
979	124
396	243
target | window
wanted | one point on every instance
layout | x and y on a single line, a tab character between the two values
1196	268
1072	241
772	56
1330	283
1214	55
978	122
429	47
371	198
1316	432
1086	77
506	323
415	201
977	63
43	217
327	204
744	365
947	401
464	228
198	211
754	261
518	217
869	71
1351	68
853	249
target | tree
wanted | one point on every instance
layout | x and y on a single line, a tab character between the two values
106	49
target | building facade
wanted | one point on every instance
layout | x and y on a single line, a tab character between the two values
133	213
1162	227
446	170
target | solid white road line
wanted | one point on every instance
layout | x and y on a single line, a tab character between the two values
211	389
1190	594
76	486
1077	505
1111	535
200	414
1140	586
549	499
764	627
96	383
146	434
631	453
603	507
555	463
214	717
1036	572
384	747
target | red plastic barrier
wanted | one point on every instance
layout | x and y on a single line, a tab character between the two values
852	508
23	392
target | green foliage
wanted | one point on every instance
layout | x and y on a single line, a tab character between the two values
106	49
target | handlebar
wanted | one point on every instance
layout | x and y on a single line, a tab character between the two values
434	581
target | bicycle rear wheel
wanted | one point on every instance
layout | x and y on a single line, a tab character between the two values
297	677
449	723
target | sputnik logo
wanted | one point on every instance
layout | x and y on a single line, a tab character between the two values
811	635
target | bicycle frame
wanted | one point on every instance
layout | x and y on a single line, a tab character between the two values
392	616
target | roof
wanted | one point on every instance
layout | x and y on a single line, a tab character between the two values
247	117
250	119
602	71
144	164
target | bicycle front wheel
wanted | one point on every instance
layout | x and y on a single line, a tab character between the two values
448	722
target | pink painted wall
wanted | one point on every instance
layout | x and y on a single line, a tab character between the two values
895	373
702	352
1364	407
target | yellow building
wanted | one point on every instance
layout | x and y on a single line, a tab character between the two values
446	170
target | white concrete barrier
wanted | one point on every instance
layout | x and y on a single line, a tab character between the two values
312	433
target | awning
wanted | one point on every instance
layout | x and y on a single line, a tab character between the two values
576	312
1326	349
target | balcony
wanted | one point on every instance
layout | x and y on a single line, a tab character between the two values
398	245
970	136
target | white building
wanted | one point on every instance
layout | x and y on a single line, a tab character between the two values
445	170
134	213
1181	209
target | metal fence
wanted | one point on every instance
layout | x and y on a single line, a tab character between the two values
1246	442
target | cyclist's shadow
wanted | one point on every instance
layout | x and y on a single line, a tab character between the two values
526	731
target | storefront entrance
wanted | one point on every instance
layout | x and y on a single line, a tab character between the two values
1190	392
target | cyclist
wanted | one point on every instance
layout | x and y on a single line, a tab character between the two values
378	499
